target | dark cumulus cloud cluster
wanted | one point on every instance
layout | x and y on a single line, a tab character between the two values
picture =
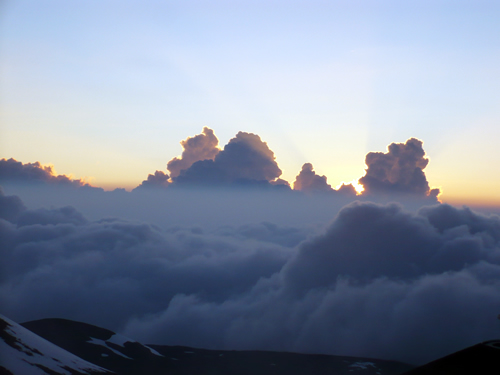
245	160
399	171
248	162
378	281
202	146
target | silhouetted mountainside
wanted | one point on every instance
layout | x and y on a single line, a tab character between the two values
126	356
22	352
483	358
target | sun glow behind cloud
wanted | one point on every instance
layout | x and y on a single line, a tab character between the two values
321	83
359	188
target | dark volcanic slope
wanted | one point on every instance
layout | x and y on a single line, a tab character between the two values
125	356
22	352
201	361
481	359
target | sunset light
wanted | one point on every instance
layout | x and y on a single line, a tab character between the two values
237	187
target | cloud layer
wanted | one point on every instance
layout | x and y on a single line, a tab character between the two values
378	281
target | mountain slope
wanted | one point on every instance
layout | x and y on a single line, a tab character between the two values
128	357
24	353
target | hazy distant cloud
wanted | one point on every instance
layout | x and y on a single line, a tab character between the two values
13	171
55	216
378	282
200	147
308	181
400	170
267	232
157	180
245	160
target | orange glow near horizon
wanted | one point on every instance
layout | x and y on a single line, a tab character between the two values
470	201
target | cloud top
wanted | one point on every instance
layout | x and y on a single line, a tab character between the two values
308	181
157	180
399	170
200	147
246	161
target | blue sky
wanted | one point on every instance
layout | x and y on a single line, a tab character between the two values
107	89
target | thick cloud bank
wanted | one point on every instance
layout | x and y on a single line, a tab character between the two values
378	281
399	171
13	171
200	147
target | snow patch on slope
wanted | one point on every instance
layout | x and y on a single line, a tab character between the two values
119	340
23	352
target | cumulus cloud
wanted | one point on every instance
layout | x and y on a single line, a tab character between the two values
308	181
13	171
378	281
246	160
157	180
399	171
347	189
200	147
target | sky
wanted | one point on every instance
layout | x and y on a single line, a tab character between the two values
106	90
173	171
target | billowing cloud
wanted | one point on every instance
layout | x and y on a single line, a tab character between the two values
13	171
10	206
132	268
367	241
377	282
308	181
380	282
157	180
246	160
399	171
200	147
